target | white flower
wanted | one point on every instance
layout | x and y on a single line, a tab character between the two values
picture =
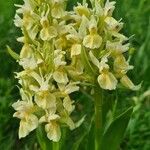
52	128
48	32
107	81
59	58
60	77
68	104
129	84
93	40
28	63
116	47
121	66
69	88
29	121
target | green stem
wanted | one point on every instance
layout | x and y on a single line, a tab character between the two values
98	117
56	146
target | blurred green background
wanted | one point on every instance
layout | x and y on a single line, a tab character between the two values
136	17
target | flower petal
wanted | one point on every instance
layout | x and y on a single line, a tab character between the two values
92	41
53	131
75	49
129	84
107	81
28	125
68	104
60	77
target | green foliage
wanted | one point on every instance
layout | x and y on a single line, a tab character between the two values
12	53
43	141
115	132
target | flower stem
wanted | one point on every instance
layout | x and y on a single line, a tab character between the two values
56	146
98	117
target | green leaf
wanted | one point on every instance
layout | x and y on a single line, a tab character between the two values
86	62
44	142
77	143
12	53
115	132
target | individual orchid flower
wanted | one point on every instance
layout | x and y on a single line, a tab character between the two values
28	63
60	76
116	47
25	109
52	127
112	24
26	51
59	59
76	37
105	11
106	79
75	40
82	10
109	8
45	100
43	96
42	82
18	21
129	84
48	31
29	21
68	104
68	88
121	66
58	8
93	40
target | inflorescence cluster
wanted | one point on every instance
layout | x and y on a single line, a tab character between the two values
62	51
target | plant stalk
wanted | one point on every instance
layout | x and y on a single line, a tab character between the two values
98	117
56	146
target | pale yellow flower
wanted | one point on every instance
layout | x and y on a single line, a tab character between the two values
27	125
28	63
53	131
60	77
52	127
59	58
75	40
93	40
29	121
68	104
82	10
45	100
121	66
26	51
75	49
109	8
18	21
75	37
43	96
112	24
58	10
106	79
116	48
69	88
48	32
129	84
